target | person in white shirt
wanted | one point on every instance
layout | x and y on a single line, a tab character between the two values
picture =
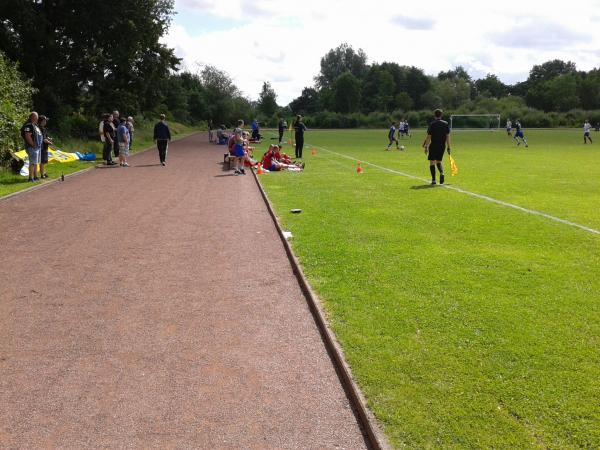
508	127
586	132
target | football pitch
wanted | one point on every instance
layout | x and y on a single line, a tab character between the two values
470	314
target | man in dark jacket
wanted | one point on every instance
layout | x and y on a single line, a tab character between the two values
162	136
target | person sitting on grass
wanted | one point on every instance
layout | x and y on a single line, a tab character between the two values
272	164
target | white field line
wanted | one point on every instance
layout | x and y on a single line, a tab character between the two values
472	194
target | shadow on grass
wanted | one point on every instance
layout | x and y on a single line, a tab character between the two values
424	186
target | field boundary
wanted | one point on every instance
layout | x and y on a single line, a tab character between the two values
367	421
469	193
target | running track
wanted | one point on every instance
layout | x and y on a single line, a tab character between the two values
154	307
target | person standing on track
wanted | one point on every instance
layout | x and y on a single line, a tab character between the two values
162	136
116	121
32	135
437	140
109	139
299	129
46	142
238	148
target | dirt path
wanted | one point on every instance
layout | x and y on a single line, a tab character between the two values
155	307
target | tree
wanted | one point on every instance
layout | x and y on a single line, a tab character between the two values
84	57
267	100
307	103
491	86
339	60
404	101
346	93
15	103
452	92
379	89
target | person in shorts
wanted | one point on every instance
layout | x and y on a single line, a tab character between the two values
238	148
586	132
436	142
519	134
46	142
32	136
392	136
123	142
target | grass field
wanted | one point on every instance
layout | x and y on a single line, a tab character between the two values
467	324
11	182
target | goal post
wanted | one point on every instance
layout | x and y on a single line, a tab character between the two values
475	121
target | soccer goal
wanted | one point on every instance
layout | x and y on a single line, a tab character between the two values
475	121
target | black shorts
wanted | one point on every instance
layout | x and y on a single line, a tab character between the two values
435	154
44	155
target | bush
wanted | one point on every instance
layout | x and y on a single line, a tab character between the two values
15	104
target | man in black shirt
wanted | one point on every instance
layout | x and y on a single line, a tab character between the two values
109	139
437	140
162	136
299	128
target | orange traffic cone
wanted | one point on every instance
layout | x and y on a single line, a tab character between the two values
314	151
359	169
259	170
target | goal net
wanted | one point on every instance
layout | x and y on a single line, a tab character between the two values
475	121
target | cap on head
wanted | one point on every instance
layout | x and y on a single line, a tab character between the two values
438	113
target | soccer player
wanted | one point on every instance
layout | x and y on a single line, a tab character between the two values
437	140
508	127
407	128
519	133
392	137
400	129
586	131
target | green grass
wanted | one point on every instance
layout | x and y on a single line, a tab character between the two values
467	324
11	182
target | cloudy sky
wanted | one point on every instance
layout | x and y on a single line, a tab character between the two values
282	41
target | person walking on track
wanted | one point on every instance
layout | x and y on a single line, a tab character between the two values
162	136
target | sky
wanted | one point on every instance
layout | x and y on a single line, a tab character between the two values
283	41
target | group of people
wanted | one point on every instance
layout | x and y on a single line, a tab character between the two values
518	132
403	129
116	133
35	136
241	153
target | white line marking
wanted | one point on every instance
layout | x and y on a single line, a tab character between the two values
472	194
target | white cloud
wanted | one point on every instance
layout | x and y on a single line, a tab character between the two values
283	41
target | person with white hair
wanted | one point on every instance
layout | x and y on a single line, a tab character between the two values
131	129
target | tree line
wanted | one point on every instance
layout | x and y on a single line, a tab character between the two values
72	60
349	92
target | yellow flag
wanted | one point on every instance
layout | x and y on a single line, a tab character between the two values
453	166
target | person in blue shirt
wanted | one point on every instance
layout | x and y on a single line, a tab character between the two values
255	130
392	137
519	134
123	138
